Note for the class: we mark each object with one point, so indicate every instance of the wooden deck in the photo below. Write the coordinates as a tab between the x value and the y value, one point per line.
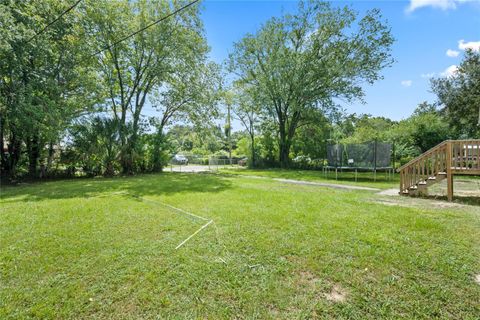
449	158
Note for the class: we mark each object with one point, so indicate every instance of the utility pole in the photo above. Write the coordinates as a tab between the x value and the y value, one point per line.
229	133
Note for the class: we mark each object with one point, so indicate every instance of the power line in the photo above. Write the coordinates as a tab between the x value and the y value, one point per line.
55	20
146	27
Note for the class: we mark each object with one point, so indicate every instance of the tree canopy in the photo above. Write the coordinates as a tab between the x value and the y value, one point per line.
309	60
459	95
101	90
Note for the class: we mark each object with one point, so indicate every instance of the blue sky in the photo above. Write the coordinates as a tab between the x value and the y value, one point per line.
424	30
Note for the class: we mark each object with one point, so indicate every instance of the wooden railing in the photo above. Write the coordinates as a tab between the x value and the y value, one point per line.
465	156
442	161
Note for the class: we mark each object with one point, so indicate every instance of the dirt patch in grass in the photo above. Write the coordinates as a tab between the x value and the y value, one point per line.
477	279
307	279
389	192
337	294
309	282
314	183
410	202
328	185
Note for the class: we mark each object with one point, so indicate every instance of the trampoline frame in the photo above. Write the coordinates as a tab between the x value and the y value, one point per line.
389	170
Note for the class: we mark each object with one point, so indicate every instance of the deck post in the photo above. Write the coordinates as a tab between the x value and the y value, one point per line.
449	172
401	182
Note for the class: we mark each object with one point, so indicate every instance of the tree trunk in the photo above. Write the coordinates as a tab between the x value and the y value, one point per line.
157	165
10	149
126	160
33	149
126	154
14	149
50	157
3	157
284	148
284	153
252	137
109	170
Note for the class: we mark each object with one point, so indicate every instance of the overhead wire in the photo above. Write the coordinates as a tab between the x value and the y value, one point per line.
55	20
146	27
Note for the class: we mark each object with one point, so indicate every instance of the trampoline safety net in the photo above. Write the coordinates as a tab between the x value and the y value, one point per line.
369	155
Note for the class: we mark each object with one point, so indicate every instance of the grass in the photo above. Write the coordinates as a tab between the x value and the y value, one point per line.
85	249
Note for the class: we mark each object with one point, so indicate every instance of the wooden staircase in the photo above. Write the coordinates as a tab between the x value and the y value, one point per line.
443	161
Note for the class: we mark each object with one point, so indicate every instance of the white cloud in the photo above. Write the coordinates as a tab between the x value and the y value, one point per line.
428	75
450	71
474	45
406	83
452	53
438	4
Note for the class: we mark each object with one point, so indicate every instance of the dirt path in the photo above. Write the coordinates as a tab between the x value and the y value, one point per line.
322	184
313	183
389	192
422	203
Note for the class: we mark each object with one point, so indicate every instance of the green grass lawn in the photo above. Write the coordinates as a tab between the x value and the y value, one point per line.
87	249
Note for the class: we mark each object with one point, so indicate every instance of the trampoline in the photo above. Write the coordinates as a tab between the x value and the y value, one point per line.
371	156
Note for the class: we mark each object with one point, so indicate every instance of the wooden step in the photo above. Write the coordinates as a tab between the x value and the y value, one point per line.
422	185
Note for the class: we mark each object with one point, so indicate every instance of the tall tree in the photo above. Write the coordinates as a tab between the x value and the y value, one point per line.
133	68
43	81
424	129
459	95
309	60
190	95
247	109
366	128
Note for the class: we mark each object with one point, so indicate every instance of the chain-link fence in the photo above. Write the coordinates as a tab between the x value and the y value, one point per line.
203	164
221	163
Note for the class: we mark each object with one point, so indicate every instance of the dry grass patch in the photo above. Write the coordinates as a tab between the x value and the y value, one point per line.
337	294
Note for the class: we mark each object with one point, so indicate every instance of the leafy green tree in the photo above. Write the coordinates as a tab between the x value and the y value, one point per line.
459	95
133	68
308	60
246	108
190	96
430	127
424	129
44	82
311	139
267	144
367	128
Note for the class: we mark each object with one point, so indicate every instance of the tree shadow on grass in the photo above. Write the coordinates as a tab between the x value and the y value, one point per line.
141	185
